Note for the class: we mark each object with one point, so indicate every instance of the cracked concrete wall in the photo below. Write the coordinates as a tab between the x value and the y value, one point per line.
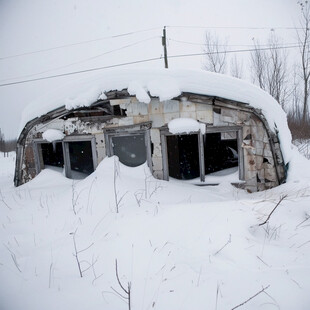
260	169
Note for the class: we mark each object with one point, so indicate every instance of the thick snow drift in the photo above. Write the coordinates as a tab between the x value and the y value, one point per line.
165	84
180	246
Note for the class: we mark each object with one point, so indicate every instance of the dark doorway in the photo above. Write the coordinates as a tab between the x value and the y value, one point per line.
183	156
131	149
220	153
52	154
81	158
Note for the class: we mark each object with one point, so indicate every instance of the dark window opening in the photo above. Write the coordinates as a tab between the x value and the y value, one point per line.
183	156
81	158
52	154
117	110
131	149
220	152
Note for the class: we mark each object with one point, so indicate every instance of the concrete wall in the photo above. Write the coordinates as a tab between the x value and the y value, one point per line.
259	160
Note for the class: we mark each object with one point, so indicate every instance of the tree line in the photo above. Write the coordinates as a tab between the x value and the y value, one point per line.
270	69
6	145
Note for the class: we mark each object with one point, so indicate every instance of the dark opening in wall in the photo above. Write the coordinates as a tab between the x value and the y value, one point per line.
52	154
220	151
183	156
81	159
131	149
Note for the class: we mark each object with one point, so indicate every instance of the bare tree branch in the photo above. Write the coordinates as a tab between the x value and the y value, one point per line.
261	291
268	217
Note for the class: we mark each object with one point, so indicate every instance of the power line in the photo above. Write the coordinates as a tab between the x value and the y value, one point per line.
224	45
81	71
84	60
78	43
238	28
143	30
233	51
144	60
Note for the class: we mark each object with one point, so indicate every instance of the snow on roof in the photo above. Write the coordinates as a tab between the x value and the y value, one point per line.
165	84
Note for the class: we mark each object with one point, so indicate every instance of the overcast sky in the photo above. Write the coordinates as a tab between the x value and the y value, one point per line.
28	26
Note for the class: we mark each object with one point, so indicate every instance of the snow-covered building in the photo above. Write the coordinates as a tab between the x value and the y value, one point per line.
185	124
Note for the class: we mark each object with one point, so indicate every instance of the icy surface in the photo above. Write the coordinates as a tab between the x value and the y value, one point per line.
166	84
180	246
53	135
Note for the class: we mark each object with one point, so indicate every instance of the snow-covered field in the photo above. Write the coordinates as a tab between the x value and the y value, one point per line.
177	246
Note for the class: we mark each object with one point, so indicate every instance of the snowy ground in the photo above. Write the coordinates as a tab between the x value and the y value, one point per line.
303	146
178	246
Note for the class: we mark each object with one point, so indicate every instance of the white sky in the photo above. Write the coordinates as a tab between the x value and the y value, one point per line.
31	25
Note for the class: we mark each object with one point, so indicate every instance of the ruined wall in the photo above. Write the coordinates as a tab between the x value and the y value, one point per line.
259	161
260	168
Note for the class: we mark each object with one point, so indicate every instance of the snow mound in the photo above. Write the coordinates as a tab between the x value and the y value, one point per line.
166	84
53	135
181	125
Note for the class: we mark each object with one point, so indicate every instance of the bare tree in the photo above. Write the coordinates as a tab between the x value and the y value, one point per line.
258	62
1	141
295	113
236	67
303	36
215	53
269	69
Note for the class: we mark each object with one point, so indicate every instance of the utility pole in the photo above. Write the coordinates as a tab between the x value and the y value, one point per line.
164	43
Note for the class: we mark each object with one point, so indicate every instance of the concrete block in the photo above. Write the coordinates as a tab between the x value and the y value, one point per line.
139	108
126	121
228	119
204	107
157	163
155	107
101	153
267	152
250	161
258	144
270	174
217	121
111	123
259	162
157	150
99	139
140	119
249	174
187	106
157	120
155	136
265	138
171	106
158	174
188	115
170	116
205	116
120	101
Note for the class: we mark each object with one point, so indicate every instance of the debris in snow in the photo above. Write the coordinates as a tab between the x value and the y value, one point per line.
51	135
